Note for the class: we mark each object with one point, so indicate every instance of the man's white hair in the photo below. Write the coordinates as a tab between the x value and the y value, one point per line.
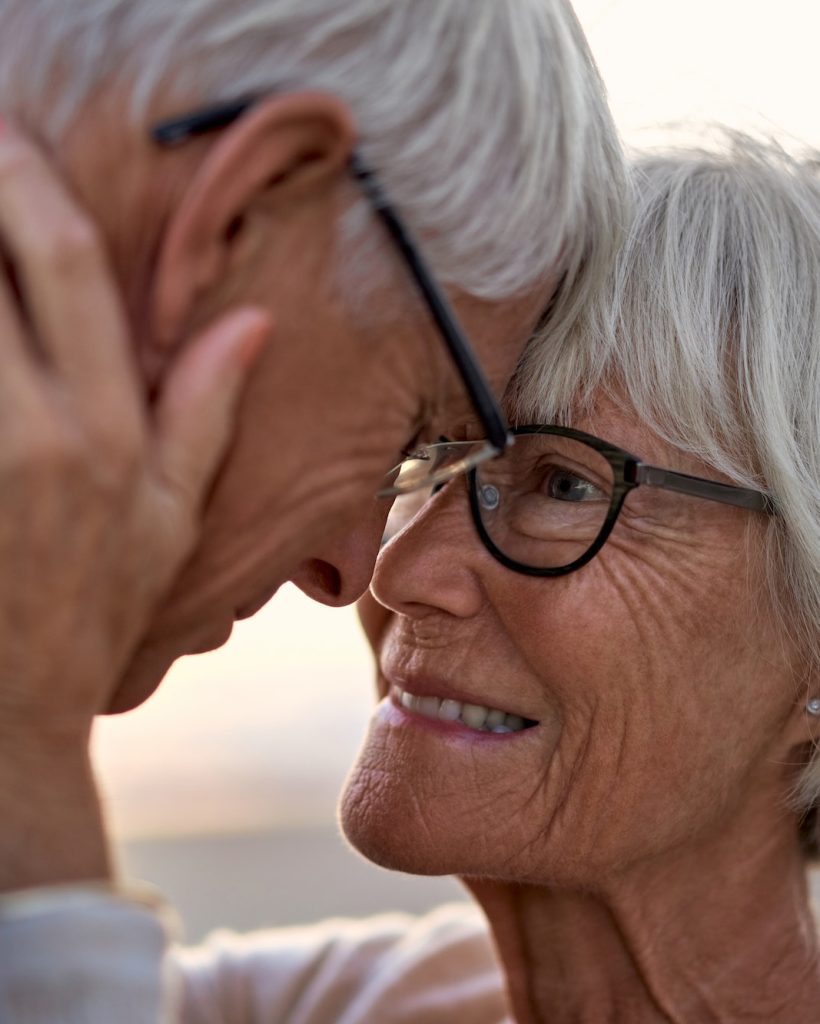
711	331
485	119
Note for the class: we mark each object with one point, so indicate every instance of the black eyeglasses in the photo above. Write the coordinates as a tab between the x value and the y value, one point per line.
548	505
401	480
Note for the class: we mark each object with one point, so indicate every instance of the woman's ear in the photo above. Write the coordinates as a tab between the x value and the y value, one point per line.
285	149
810	713
802	729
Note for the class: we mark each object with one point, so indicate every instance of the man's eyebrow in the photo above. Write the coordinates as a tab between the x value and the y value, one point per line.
465	430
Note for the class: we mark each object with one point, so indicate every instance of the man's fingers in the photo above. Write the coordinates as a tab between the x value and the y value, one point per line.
72	300
195	418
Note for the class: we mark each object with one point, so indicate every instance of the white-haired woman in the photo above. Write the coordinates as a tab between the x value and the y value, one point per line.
601	708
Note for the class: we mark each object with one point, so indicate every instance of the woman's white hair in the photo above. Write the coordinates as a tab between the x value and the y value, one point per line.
486	119
711	330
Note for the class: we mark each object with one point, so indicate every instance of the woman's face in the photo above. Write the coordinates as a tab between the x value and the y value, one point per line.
662	692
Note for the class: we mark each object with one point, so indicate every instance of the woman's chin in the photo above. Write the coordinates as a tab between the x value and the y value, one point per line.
383	818
431	799
386	841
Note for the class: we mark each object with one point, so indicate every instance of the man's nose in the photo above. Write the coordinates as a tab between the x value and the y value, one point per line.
341	571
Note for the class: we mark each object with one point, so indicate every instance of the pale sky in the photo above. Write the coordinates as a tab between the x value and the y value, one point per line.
746	62
263	731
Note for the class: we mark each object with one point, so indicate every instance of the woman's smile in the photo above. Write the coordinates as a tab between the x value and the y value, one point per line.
462	694
455	715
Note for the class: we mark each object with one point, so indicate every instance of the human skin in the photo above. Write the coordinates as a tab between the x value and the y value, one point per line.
348	385
101	497
242	225
635	852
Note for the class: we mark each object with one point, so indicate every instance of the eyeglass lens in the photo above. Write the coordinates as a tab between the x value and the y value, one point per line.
545	502
435	464
415	480
404	510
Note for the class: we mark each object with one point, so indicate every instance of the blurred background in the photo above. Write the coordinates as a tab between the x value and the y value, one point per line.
222	789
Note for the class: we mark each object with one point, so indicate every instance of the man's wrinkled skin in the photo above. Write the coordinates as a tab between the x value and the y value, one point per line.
344	384
144	528
635	852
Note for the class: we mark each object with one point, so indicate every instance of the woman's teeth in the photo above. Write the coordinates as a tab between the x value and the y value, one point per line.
474	716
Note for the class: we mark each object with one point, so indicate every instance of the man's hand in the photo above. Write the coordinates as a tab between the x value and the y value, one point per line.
100	502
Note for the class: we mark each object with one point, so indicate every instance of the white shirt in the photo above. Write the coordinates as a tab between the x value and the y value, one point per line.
91	957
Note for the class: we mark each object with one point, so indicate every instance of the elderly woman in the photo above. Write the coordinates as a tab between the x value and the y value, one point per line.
599	661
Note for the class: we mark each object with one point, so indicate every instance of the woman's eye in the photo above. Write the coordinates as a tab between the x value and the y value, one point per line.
566	486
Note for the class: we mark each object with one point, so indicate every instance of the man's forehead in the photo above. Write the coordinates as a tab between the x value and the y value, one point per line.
455	416
498	332
506	325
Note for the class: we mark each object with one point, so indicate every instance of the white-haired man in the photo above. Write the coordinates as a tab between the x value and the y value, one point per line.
242	164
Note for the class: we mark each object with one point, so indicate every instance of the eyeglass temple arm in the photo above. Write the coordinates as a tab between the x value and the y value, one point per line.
682	483
179	130
498	433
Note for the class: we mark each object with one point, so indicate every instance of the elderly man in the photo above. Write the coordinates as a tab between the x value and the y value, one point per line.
298	212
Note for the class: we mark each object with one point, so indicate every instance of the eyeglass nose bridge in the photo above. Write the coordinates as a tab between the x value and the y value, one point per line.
466	455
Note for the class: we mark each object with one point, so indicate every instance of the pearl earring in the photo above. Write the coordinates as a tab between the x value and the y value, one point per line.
813	706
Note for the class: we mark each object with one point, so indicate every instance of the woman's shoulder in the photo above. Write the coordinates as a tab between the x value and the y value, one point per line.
392	968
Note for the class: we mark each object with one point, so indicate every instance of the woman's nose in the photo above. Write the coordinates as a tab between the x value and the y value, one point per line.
432	563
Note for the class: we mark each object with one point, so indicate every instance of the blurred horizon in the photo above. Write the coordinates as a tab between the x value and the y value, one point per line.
258	734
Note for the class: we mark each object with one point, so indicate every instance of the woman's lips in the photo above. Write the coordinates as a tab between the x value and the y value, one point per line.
424	684
479	718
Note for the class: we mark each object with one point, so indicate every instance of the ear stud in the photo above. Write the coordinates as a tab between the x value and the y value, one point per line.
813	706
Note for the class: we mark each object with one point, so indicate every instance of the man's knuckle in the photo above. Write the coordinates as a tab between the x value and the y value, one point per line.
106	473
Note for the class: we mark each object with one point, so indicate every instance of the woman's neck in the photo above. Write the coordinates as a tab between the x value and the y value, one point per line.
714	934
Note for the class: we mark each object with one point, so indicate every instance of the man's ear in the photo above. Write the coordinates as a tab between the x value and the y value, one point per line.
284	148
